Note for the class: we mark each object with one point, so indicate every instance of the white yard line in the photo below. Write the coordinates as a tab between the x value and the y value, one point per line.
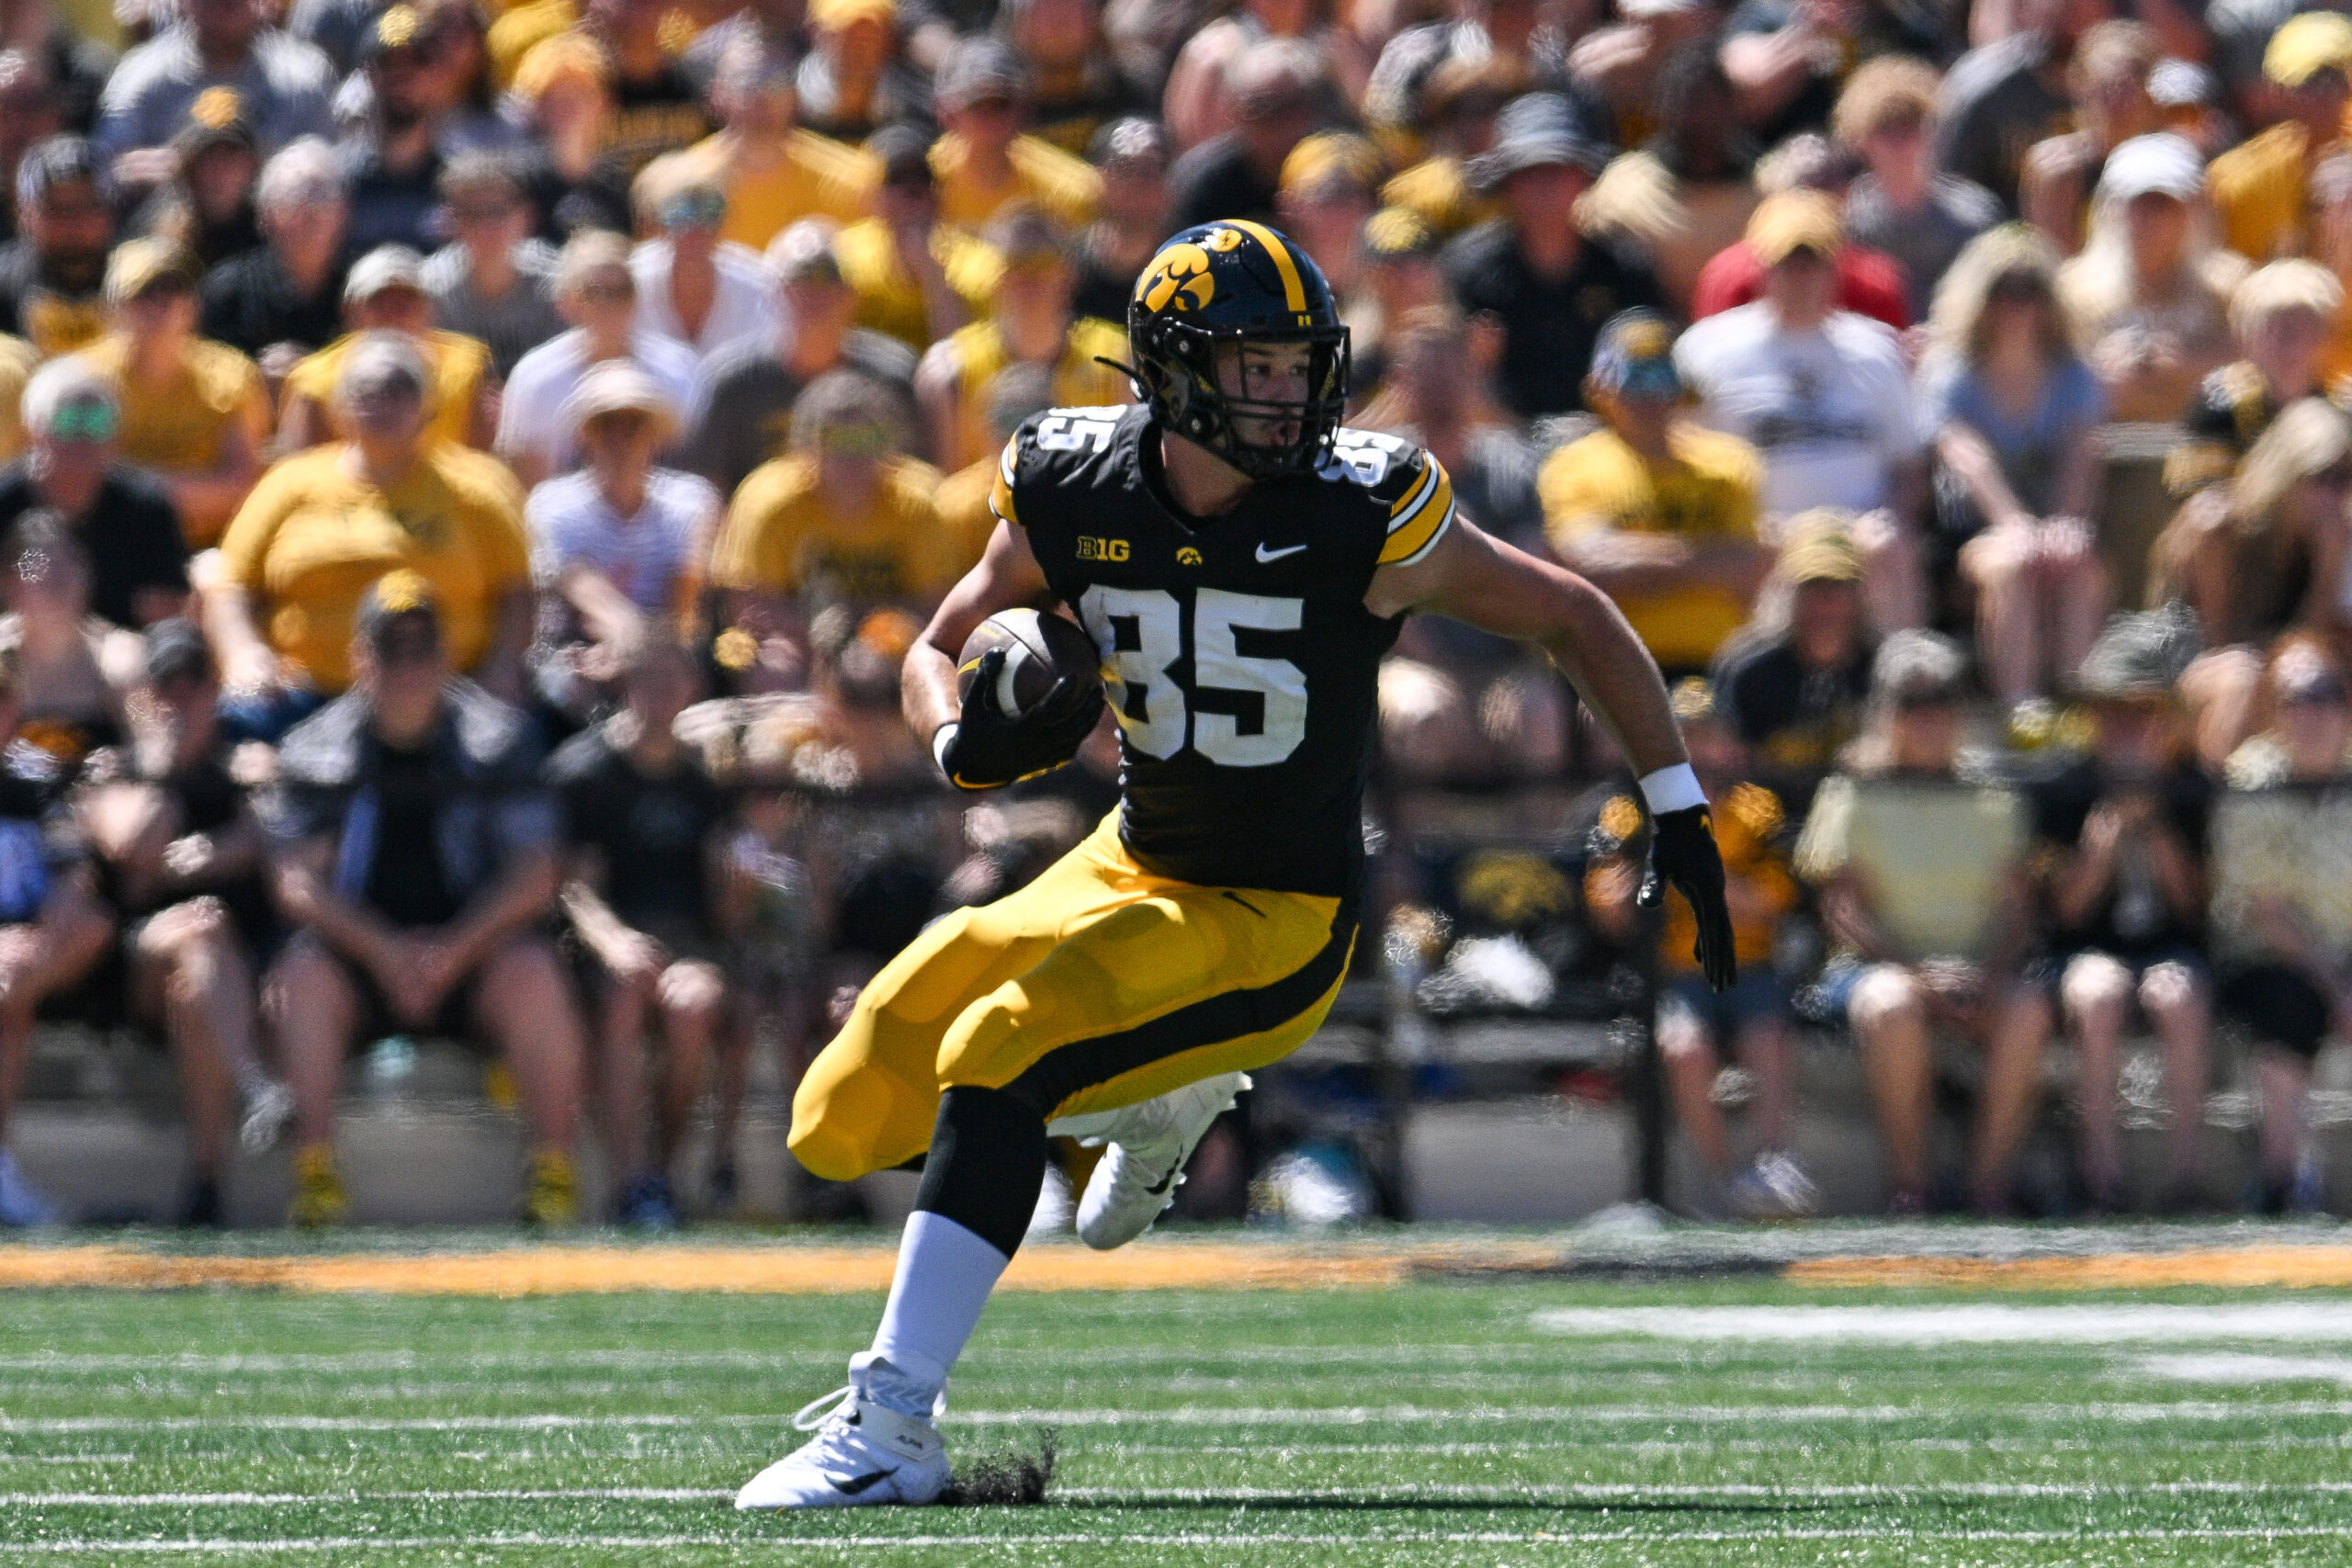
1210	1496
2231	1367
1971	1325
1216	1416
752	1535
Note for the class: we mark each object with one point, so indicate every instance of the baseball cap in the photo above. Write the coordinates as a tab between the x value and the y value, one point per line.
385	267
804	254
2308	44
1634	358
139	265
1329	158
1820	549
398	28
1397	234
59	161
831	16
1537	130
217	118
1794	220
905	153
977	70
617	386
2159	164
399	597
175	647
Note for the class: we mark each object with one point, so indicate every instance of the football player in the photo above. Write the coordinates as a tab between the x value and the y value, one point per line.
1243	563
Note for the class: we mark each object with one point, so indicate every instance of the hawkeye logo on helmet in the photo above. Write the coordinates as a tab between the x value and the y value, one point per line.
1179	277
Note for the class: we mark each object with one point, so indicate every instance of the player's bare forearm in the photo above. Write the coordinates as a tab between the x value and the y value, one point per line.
1474	578
1007	577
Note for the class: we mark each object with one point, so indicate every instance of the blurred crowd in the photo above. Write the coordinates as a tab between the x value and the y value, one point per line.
472	472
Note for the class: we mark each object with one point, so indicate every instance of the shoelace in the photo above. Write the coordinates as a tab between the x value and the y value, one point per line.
809	1419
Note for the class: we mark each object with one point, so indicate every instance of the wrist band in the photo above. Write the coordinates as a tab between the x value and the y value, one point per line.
941	738
1672	789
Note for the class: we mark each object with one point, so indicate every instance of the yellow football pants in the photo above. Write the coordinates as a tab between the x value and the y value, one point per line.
1097	986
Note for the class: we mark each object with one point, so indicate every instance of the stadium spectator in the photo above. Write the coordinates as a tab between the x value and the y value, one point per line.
51	274
2109	82
1210	88
1901	205
852	81
843	516
1922	880
564	90
1400	276
2260	187
1030	322
195	414
416	853
2257	557
182	858
1699	1027
289	290
1458	106
2282	927
1441	396
29	113
2003	95
2012	413
1655	508
2282	318
324	523
73	669
617	547
1551	286
1326	195
744	394
2123	832
1705	160
1131	157
1792	683
494	282
1075	88
2147	298
1787	57
385	293
690	287
1237	173
394	159
967	511
647	895
773	173
2331	192
1404	96
1868	282
1823	396
657	108
281	85
916	277
125	520
596	293
209	207
985	160
52	928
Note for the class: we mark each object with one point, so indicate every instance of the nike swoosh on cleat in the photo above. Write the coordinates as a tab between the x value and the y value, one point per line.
858	1483
1266	555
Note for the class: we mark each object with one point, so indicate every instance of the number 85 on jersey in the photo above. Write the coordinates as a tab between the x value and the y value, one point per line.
1143	632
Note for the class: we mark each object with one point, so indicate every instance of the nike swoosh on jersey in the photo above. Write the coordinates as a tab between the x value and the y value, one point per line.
858	1483
1266	555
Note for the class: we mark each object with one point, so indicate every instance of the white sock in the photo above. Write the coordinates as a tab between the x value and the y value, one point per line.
945	1272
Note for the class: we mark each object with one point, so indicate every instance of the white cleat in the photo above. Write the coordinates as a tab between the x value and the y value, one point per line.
1138	1174
862	1454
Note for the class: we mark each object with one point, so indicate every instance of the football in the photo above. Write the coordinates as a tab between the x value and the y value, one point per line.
1039	651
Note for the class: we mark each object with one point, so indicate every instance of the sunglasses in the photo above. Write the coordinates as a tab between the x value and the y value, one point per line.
480	214
84	422
607	293
1925	701
2312	694
702	209
2337	476
417	647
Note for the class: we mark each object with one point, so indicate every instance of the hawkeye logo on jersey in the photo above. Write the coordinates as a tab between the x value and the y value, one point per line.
1188	556
1090	548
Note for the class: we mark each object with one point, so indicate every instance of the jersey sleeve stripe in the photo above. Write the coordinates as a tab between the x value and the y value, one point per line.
1410	544
1398	514
1001	493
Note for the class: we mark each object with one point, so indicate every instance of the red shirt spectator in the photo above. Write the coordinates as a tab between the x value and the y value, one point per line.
1869	283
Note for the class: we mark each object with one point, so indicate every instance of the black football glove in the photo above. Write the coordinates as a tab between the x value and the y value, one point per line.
989	750
1682	851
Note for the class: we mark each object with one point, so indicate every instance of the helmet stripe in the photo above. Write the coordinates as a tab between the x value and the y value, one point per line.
1293	287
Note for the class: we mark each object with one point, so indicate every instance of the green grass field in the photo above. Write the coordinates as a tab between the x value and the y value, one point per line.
1434	1423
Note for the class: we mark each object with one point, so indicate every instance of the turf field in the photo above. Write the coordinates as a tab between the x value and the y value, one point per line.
1467	1412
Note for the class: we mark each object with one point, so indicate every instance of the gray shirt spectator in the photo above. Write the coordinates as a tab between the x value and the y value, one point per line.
283	87
1999	101
1924	243
513	325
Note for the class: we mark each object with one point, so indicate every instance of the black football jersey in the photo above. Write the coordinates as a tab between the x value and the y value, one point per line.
1238	655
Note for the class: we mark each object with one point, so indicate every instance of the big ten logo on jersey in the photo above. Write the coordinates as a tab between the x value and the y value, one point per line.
1092	548
1363	455
1074	430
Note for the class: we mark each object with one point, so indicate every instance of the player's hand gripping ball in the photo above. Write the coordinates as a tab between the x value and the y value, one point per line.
1682	851
1031	687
